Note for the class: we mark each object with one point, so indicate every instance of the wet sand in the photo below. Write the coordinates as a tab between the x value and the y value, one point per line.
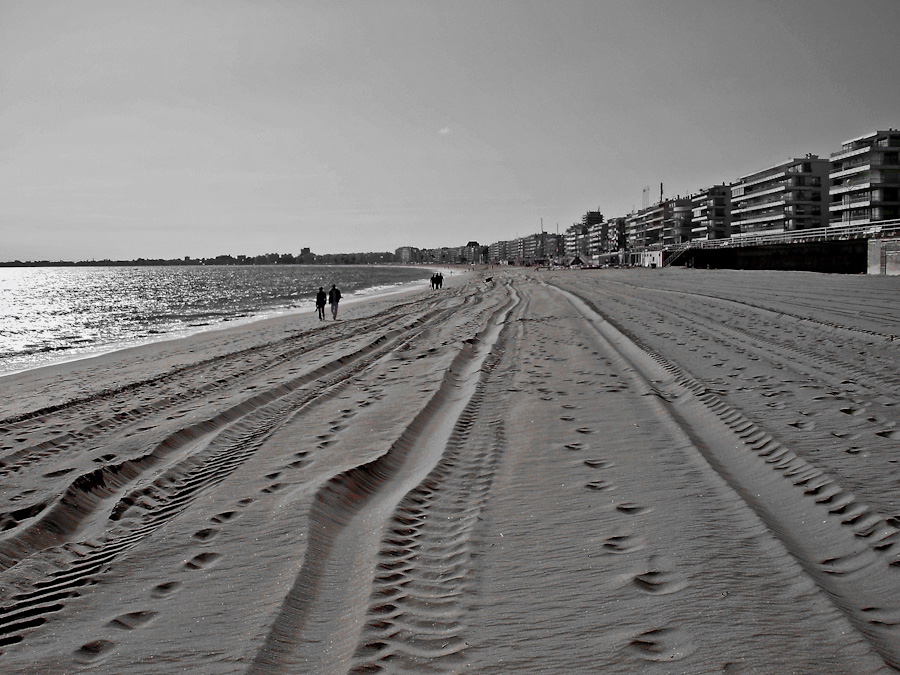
595	471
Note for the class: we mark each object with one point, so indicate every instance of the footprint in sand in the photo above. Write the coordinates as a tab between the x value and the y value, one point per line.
224	516
206	533
633	509
573	446
584	430
659	579
165	589
202	560
94	650
132	620
599	485
622	543
597	463
661	644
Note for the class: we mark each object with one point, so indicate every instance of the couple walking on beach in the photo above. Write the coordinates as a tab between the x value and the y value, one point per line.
333	296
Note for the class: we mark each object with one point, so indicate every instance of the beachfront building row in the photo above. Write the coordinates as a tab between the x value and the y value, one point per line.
580	242
859	185
471	253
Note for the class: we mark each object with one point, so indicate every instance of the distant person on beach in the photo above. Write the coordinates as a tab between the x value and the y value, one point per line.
321	297
334	297
433	281
440	280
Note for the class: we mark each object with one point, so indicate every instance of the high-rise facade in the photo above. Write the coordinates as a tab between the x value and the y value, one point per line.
677	222
711	213
784	198
865	179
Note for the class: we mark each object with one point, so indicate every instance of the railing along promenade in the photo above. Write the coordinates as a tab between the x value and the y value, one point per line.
877	230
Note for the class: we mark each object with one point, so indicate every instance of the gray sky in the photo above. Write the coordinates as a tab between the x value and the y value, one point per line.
163	129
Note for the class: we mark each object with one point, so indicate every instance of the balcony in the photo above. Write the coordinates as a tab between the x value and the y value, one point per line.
768	178
850	221
851	171
759	207
764	219
760	193
844	154
843	206
855	187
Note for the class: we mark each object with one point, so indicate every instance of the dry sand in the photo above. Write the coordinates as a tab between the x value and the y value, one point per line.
612	471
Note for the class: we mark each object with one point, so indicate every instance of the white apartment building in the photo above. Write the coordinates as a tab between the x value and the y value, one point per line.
787	197
865	179
576	240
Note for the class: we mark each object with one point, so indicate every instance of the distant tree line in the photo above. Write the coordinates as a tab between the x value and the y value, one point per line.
306	257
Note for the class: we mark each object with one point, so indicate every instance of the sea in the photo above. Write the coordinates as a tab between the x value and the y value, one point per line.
54	314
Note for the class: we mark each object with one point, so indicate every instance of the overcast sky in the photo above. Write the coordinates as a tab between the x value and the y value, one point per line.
164	129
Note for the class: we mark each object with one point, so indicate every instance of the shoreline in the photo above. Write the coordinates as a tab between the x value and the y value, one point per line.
226	323
38	386
679	458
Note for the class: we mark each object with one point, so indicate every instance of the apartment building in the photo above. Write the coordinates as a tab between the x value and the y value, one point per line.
711	213
787	197
606	237
676	227
408	254
636	229
865	179
576	240
499	250
615	235
597	238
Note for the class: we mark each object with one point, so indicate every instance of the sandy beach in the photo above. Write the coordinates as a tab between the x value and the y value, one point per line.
592	471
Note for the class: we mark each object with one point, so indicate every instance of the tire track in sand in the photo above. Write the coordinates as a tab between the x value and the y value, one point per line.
174	388
849	550
321	618
206	454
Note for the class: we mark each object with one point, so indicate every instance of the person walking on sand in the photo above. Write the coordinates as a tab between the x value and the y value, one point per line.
321	297
334	297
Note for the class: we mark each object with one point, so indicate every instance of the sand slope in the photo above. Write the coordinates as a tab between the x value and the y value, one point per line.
669	471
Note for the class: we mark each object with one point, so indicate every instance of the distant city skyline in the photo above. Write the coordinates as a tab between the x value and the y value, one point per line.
162	130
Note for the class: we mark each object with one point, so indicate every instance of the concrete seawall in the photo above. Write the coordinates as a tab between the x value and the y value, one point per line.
842	257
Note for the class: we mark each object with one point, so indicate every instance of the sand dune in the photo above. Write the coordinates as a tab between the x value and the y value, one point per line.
623	471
